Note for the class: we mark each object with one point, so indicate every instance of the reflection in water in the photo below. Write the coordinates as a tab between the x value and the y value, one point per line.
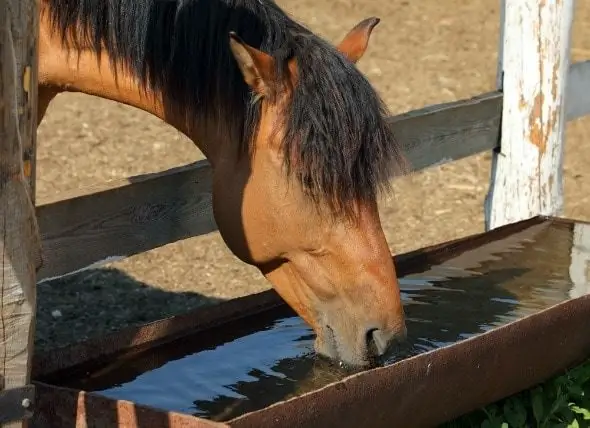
255	362
580	266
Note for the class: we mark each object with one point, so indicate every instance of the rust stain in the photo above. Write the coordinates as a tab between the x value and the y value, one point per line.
540	127
539	132
522	102
27	168
554	76
27	79
535	124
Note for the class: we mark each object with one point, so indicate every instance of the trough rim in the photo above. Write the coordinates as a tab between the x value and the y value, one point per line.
334	395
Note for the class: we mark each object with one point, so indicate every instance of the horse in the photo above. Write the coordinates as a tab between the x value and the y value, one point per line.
297	138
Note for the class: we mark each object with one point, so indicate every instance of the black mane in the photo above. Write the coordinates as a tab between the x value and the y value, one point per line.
338	142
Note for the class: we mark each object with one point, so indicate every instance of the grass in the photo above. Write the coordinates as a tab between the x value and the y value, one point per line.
563	401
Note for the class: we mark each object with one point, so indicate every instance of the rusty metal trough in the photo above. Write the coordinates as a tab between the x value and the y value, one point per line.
484	368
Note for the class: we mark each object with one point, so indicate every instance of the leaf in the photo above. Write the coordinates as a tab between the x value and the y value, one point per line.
566	413
581	411
574	424
491	411
537	402
560	403
486	424
515	413
584	402
575	391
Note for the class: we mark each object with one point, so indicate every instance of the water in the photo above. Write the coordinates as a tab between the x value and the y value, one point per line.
250	364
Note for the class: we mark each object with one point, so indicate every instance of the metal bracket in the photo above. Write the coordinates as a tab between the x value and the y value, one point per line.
498	148
16	404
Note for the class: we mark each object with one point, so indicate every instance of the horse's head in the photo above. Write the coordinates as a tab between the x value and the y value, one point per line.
307	198
301	205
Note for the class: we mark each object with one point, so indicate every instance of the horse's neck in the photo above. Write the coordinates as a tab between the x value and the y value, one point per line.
81	72
71	71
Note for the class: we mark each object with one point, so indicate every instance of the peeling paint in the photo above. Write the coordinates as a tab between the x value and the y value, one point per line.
522	104
525	179
554	77
27	168
27	79
535	124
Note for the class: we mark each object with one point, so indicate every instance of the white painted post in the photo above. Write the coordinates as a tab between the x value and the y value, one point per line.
526	177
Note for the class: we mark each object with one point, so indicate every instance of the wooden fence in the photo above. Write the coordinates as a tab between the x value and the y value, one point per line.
521	122
19	238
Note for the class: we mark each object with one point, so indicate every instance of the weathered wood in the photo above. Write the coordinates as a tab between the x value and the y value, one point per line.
526	174
146	212
27	66
19	243
443	133
578	90
142	213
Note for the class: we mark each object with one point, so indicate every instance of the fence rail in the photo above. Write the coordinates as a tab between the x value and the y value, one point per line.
148	211
141	213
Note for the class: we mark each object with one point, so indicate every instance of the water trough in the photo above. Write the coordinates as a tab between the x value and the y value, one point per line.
488	315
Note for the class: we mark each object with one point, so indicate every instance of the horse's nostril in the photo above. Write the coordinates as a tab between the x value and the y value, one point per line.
377	342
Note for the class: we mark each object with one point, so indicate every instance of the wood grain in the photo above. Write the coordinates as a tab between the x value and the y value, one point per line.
526	178
19	242
114	220
142	213
443	133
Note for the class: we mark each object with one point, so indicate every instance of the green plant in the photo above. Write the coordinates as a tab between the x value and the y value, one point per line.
563	401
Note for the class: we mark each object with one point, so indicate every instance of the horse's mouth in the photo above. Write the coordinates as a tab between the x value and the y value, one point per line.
331	351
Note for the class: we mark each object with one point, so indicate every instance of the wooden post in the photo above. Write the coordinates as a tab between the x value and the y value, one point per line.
526	177
19	239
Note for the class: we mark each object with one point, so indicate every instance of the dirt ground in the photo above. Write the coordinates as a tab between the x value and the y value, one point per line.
422	52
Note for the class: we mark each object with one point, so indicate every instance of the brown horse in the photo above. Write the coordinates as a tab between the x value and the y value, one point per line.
297	138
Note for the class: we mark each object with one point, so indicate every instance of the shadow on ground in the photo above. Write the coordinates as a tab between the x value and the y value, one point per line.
98	301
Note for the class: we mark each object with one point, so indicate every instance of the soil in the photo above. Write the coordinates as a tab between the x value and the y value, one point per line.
422	52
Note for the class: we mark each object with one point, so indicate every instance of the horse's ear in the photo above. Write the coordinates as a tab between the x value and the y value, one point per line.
355	43
256	66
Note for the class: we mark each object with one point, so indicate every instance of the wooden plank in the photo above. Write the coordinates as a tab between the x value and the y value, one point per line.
19	243
152	210
526	177
443	133
146	212
142	213
578	87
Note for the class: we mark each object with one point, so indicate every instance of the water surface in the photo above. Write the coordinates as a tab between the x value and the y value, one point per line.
250	364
